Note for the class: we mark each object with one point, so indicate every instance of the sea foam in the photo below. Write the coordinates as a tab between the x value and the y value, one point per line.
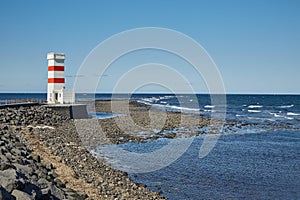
254	111
286	106
255	106
209	106
293	114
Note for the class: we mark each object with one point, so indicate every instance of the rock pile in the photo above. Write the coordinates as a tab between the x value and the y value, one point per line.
30	136
35	115
23	175
65	143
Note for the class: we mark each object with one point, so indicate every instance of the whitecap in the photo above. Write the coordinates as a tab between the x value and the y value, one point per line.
103	115
209	110
286	106
209	106
151	100
275	115
255	106
144	102
256	118
293	114
237	115
167	97
289	118
183	108
163	102
254	111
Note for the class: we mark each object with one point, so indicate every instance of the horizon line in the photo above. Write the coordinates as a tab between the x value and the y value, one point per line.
231	93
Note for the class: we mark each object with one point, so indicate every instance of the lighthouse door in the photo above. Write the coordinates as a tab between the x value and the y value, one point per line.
56	97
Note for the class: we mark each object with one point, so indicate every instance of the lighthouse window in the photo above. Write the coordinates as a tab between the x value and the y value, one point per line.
59	95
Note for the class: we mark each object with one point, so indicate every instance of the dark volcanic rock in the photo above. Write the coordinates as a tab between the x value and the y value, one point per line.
21	173
24	175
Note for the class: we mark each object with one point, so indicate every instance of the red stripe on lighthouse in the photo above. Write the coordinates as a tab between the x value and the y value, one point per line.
56	68
56	80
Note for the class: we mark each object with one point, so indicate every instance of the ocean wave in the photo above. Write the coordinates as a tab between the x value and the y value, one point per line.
152	99
256	118
183	108
165	105
254	111
255	106
286	106
289	118
270	119
209	106
166	97
275	114
209	110
104	115
240	116
293	114
144	102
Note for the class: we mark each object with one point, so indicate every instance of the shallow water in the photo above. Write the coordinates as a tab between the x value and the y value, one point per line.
254	166
257	156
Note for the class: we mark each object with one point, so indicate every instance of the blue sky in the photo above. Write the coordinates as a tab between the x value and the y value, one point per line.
254	43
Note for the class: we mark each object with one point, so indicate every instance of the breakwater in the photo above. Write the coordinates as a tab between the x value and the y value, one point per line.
43	157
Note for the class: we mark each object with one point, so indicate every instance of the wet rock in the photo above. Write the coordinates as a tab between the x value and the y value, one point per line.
21	195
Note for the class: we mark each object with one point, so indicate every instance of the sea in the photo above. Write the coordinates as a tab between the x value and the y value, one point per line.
257	154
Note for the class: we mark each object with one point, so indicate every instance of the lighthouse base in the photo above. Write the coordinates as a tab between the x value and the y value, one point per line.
70	111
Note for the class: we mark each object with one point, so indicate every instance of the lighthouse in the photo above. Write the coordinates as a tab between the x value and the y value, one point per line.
56	92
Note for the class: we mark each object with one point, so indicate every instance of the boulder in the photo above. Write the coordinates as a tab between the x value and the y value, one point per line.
8	179
24	169
21	195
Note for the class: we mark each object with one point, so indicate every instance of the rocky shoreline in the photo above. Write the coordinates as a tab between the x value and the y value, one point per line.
138	123
42	157
45	155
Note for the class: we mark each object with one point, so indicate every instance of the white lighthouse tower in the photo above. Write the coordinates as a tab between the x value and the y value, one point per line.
57	94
